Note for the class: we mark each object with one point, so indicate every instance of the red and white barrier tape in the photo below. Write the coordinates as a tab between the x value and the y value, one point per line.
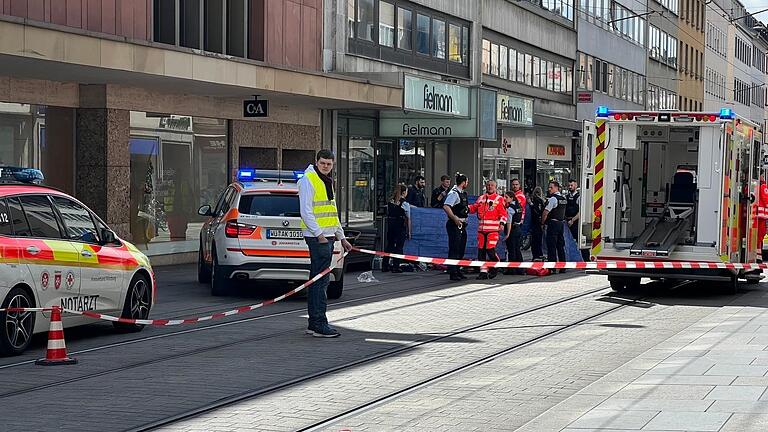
194	320
591	265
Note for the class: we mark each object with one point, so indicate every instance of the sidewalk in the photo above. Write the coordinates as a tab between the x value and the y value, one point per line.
709	377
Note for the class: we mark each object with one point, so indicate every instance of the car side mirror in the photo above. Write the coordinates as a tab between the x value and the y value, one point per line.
107	236
205	210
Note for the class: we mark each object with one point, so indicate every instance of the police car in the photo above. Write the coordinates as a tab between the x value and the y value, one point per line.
54	251
253	233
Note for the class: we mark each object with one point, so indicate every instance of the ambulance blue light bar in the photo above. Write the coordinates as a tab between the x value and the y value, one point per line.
602	111
727	113
23	175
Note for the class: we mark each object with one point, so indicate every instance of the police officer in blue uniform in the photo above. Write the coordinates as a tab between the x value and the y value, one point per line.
456	206
553	218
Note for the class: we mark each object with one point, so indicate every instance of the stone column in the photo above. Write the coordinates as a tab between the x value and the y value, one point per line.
103	178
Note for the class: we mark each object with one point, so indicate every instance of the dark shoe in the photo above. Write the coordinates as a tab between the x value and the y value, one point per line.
327	332
461	275
455	277
562	271
492	275
482	276
396	270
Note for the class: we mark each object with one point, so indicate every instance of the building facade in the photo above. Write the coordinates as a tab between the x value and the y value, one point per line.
691	30
663	43
136	107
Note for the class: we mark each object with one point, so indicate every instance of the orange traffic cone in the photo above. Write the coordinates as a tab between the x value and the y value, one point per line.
56	354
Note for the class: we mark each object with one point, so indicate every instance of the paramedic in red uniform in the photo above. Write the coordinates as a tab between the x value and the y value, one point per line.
762	214
491	213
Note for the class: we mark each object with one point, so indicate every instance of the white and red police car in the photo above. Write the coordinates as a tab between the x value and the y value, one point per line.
54	251
253	232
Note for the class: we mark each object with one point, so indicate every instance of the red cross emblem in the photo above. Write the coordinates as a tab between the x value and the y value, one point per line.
57	280
70	279
45	279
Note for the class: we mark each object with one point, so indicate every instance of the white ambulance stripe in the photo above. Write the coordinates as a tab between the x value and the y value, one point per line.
56	344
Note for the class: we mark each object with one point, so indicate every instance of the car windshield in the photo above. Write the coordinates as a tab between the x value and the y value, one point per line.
270	205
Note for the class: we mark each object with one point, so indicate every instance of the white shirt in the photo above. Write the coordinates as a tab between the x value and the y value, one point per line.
453	197
306	198
551	203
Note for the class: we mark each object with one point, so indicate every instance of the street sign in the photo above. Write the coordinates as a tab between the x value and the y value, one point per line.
256	108
584	97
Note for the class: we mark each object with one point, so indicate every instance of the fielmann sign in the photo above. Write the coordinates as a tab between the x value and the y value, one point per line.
435	97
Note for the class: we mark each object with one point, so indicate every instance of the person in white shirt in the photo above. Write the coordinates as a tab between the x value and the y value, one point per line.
321	228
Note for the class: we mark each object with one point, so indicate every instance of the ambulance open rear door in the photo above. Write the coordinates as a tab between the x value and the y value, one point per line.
586	217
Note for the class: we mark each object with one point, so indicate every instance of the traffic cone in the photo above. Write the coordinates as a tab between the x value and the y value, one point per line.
56	354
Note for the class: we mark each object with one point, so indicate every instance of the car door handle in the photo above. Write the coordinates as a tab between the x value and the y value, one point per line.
34	250
86	254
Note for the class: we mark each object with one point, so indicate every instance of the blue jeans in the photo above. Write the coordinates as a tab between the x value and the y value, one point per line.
320	255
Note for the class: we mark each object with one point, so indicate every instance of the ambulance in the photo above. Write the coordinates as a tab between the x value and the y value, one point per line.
253	233
671	186
54	251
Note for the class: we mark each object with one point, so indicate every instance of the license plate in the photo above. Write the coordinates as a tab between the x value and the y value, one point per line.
284	234
649	253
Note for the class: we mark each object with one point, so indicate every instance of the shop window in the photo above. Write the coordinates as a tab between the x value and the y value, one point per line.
465	44
386	24
360	191
438	39
164	16
297	159
454	43
365	20
404	29
422	34
189	23
258	157
42	137
178	163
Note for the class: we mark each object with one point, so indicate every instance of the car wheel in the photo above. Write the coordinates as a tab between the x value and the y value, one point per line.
617	284
138	301
335	288
16	333
203	271
219	282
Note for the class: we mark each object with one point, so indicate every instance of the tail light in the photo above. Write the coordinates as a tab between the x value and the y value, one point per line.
236	229
597	220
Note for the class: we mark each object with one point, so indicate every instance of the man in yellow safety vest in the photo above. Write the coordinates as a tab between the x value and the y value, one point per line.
321	228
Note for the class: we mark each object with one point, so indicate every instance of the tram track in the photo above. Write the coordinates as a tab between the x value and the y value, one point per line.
245	320
250	394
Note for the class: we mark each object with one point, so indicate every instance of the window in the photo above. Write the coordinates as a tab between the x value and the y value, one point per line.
350	18
528	69
189	23
237	16
404	29
214	25
486	56
662	47
743	51
165	21
512	65
386	24
465	44
6	226
494	59
454	43
365	20
672	5
270	205
19	221
562	8
422	34
521	69
503	63
536	71
77	220
42	222
438	39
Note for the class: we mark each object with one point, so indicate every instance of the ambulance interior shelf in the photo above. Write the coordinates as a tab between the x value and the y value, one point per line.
663	234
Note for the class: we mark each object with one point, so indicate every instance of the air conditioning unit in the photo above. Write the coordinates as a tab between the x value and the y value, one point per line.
653	134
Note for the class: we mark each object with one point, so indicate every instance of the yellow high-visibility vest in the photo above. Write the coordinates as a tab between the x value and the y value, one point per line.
324	209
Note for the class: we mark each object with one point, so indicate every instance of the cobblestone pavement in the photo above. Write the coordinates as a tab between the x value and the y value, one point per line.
125	381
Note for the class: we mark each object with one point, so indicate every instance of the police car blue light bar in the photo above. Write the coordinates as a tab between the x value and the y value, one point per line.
298	174
602	111
246	175
727	113
23	175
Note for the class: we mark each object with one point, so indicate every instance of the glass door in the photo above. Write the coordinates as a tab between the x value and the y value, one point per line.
360	183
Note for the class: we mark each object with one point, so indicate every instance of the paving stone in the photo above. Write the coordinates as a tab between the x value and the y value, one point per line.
668	392
739	370
688	421
746	422
615	419
744	407
654	405
737	393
